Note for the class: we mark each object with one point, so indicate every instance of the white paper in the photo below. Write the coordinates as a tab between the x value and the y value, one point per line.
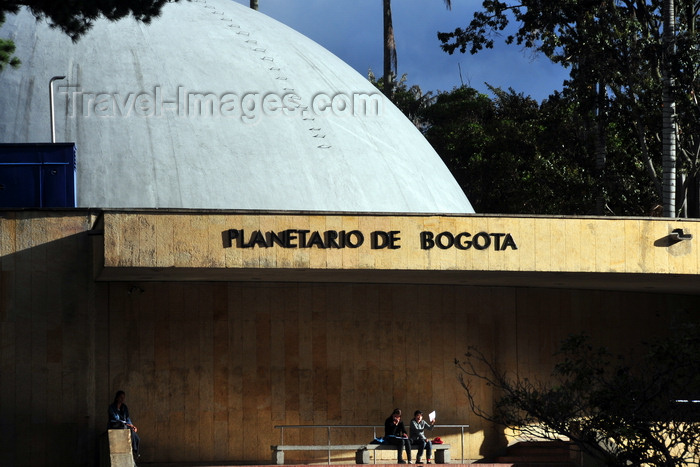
431	416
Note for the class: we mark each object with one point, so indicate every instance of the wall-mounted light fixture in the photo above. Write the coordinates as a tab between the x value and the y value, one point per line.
678	235
674	237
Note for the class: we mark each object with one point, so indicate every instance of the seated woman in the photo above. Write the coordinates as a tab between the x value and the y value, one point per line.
395	433
119	419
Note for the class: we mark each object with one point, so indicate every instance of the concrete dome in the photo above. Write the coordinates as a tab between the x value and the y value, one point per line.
216	106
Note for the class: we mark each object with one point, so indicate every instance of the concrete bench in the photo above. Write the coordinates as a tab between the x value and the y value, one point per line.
115	449
441	452
278	450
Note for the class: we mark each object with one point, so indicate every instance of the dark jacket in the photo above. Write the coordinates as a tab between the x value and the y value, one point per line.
394	430
118	418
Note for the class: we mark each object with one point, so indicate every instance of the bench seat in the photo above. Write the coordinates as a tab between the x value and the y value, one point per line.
278	450
441	451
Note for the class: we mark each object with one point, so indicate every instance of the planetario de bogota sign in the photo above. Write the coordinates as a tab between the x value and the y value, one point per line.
378	239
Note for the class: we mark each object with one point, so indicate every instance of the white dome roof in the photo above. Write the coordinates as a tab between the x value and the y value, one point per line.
173	114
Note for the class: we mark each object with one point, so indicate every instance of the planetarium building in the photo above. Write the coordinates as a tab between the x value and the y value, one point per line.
216	215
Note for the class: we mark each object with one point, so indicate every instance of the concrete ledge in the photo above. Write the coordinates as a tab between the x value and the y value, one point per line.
115	449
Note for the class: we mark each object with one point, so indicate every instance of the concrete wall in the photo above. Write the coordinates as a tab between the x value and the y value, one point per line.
211	366
48	368
544	244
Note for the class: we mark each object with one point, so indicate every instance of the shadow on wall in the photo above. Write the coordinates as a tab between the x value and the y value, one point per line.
495	442
47	337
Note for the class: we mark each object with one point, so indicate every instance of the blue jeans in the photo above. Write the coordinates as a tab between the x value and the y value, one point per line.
423	444
400	444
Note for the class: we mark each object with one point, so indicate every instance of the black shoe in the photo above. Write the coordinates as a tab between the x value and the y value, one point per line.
402	462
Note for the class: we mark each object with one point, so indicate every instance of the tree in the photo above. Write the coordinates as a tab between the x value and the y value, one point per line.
620	410
75	18
669	109
510	154
390	57
7	50
614	50
254	4
412	102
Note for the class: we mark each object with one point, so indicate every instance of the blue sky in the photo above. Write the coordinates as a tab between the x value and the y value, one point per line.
353	31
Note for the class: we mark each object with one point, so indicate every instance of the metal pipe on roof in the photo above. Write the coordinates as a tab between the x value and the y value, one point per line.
53	128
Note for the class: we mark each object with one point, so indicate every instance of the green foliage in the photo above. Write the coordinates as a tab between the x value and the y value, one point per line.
7	50
510	154
410	100
76	17
616	55
622	411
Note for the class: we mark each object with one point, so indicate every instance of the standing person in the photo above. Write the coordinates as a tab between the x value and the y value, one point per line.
395	433
119	419
418	426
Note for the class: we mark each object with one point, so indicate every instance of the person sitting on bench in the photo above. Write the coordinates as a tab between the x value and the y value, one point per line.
119	419
395	433
418	426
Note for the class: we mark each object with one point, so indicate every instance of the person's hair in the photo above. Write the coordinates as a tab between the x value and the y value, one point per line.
396	412
119	393
417	412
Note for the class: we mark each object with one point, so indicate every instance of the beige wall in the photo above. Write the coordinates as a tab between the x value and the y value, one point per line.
544	244
210	367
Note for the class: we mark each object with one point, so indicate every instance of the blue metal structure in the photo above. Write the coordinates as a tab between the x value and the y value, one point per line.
38	175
